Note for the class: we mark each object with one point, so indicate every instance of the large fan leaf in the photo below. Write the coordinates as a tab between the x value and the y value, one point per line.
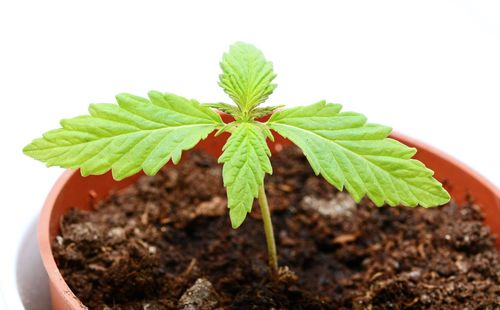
246	162
350	153
135	134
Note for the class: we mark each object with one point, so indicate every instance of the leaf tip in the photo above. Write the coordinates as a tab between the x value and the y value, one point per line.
154	94
121	96
28	148
176	157
444	198
84	172
65	123
241	44
117	175
237	218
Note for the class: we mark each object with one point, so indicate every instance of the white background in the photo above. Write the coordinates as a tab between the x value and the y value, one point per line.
429	69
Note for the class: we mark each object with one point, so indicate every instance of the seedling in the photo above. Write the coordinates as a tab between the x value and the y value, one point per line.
145	133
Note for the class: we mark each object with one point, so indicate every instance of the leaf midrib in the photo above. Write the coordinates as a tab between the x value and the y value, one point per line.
125	134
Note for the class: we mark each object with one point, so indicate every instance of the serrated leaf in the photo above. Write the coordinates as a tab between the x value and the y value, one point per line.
246	161
226	108
246	76
135	134
261	112
350	153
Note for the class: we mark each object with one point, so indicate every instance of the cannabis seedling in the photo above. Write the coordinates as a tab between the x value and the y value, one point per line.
145	133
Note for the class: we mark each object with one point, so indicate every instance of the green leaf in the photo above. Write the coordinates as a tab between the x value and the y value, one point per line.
135	134
261	112
246	161
246	76
225	108
350	153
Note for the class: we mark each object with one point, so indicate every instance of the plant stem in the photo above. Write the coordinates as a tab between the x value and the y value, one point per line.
268	229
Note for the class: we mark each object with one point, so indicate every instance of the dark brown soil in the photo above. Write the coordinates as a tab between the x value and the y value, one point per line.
166	243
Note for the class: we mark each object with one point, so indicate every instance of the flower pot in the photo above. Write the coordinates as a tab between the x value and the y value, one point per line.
73	190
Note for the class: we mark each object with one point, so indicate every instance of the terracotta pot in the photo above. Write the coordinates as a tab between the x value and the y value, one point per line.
73	190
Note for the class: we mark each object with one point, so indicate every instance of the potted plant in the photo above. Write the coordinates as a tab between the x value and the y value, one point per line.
142	134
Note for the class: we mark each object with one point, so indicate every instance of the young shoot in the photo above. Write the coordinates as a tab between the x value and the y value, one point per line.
145	133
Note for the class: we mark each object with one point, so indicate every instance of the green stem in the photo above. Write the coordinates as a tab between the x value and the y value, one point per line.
268	229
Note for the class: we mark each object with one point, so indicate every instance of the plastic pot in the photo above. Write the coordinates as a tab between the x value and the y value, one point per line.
74	191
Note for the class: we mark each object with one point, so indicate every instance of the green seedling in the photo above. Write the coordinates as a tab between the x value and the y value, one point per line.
145	133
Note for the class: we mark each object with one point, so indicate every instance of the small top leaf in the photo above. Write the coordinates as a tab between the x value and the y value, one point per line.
246	161
261	112
246	76
225	108
350	153
135	134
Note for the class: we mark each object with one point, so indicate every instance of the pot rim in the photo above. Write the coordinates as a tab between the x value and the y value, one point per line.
45	242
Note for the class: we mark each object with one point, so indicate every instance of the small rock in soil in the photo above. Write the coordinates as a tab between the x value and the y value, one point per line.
341	204
201	295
